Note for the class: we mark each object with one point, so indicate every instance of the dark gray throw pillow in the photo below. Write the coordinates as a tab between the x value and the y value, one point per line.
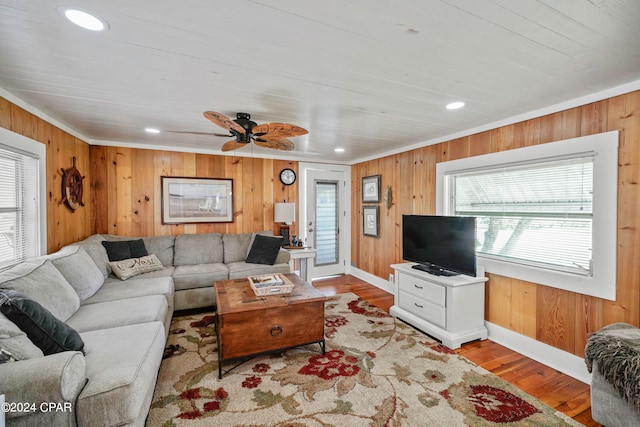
137	248
265	249
119	250
46	331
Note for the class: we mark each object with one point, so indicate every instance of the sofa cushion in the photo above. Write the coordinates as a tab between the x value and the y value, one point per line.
135	287
122	364
43	283
79	269
165	272
111	314
15	341
238	270
127	268
264	249
48	333
93	246
119	250
162	247
199	276
236	246
193	249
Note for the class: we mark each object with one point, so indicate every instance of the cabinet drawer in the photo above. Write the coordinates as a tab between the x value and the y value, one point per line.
427	291
259	331
424	309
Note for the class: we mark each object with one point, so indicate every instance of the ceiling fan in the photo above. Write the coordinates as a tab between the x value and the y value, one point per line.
245	131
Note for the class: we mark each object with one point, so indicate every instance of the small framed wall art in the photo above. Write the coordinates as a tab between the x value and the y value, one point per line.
370	221
371	189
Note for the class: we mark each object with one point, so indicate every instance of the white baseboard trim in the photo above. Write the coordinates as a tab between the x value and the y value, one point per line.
555	358
373	279
565	362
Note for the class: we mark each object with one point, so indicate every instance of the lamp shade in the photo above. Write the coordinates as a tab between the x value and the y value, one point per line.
284	212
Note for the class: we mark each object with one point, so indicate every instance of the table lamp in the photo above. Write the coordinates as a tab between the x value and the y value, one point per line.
285	214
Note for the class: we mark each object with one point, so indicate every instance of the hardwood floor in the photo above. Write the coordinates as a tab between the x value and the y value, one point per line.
554	388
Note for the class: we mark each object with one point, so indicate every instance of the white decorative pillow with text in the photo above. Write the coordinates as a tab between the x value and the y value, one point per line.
133	266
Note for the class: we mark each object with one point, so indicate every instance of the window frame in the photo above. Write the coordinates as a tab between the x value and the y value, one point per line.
37	150
602	283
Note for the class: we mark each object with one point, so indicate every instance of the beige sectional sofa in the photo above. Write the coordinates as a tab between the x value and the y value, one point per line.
194	262
123	325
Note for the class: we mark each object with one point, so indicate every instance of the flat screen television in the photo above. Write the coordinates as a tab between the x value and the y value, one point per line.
441	245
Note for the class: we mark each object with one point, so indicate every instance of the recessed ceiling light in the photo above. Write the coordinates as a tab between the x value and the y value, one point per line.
152	130
339	150
455	105
85	19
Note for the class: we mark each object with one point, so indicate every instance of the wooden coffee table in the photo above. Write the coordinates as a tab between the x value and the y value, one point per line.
249	325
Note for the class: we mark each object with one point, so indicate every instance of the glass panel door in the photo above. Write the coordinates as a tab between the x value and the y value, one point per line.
324	219
327	229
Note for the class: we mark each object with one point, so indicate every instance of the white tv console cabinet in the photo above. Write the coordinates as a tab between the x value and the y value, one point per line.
449	308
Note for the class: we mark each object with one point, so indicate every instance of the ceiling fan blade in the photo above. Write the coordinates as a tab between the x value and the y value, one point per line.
233	145
275	143
196	133
282	130
223	121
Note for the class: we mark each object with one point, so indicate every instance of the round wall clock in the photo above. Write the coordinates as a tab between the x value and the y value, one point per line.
287	176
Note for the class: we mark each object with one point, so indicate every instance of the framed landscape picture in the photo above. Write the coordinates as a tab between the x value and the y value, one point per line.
370	221
189	200
371	188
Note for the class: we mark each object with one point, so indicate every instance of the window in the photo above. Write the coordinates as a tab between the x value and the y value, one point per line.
545	214
535	214
21	201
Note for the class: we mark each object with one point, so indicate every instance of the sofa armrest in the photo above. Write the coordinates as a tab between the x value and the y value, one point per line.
283	257
55	378
615	351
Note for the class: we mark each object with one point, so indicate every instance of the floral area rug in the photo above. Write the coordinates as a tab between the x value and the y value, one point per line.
376	371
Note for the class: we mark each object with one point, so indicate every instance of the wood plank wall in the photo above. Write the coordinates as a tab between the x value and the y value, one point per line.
559	318
63	225
126	190
122	185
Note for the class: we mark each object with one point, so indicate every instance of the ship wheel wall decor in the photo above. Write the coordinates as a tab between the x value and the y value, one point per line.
72	187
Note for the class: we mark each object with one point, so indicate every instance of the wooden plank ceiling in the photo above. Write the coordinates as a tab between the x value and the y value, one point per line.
368	76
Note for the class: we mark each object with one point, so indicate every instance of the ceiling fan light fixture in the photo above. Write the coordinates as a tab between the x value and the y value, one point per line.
152	130
246	131
85	19
455	105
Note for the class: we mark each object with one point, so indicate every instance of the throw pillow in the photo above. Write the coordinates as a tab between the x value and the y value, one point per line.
137	248
46	331
6	357
264	249
132	267
119	250
16	342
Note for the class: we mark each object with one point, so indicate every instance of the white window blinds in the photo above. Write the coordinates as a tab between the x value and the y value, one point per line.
19	209
534	213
